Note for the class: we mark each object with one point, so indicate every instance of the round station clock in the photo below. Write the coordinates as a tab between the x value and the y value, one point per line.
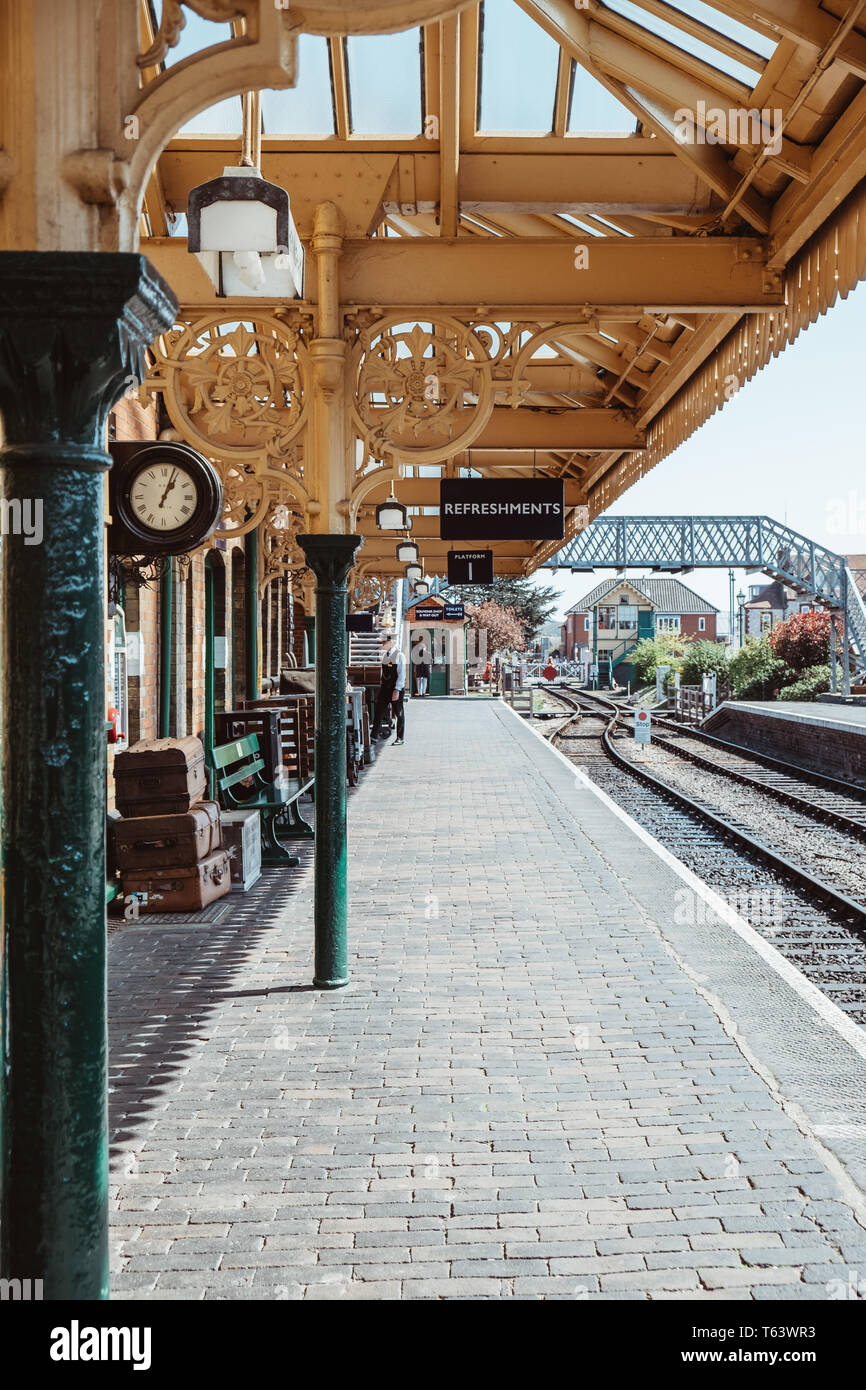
165	499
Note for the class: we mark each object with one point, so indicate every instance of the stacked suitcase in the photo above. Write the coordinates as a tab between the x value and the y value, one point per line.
168	846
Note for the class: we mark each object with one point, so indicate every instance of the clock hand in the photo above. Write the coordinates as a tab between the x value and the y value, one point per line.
168	489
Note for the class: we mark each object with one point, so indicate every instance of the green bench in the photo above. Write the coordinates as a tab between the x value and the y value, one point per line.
239	766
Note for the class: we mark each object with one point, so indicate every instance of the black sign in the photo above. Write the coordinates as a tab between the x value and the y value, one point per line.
454	613
359	622
505	509
470	566
428	613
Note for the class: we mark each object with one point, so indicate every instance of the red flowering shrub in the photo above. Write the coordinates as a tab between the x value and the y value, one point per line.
803	641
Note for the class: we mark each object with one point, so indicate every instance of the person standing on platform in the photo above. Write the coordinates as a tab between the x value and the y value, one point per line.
421	663
391	692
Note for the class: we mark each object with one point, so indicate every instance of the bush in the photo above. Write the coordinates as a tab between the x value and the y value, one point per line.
803	641
701	659
811	684
755	672
650	652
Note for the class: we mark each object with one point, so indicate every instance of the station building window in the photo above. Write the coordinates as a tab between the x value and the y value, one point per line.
627	617
607	617
667	622
702	624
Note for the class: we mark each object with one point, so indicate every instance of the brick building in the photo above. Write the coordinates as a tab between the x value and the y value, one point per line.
612	618
281	624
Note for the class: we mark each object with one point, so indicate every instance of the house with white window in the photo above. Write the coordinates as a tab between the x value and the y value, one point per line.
606	625
771	604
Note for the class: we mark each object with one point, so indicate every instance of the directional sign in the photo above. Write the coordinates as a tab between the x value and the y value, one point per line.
359	622
470	566
428	612
454	613
506	509
642	726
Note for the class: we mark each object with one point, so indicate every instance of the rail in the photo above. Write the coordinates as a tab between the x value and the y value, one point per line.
854	912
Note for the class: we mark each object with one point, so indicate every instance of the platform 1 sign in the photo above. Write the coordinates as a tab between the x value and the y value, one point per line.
470	566
503	509
642	726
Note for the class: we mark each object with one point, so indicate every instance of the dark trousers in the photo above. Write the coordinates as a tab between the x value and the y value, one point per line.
383	703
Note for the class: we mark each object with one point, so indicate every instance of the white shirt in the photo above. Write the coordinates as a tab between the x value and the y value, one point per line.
396	656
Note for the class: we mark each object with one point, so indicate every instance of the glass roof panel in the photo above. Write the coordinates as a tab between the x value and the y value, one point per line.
724	24
307	109
195	35
696	47
385	83
224	118
593	110
518	64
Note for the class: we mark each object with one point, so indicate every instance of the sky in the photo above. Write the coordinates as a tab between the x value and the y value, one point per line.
789	445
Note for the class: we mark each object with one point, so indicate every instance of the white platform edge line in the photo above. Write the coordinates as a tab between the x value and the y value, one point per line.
830	1013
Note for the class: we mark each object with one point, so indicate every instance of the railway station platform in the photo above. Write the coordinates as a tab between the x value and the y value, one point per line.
828	738
543	1081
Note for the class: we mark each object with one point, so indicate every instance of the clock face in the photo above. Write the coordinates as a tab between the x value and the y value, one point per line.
163	497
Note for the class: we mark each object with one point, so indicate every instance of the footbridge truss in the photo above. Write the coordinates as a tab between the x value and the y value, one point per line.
679	544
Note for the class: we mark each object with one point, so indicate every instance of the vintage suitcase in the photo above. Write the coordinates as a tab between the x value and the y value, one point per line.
157	842
242	837
184	889
160	776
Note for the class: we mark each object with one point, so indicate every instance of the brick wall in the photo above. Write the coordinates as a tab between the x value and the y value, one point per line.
132	421
689	626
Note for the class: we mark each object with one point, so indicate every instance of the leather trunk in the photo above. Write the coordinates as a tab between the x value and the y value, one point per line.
160	776
184	889
157	842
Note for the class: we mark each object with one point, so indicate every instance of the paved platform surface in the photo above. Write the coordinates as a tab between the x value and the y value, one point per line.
543	1082
826	716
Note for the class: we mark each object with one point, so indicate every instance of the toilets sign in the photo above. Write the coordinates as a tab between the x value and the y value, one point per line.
503	509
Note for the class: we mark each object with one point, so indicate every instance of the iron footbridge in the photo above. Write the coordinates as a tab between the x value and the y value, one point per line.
679	544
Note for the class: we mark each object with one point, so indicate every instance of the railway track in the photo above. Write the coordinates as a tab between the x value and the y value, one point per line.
818	924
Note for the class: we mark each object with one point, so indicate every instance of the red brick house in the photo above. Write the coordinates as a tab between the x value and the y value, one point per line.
611	619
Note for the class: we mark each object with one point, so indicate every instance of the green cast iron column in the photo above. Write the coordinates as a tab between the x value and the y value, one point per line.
209	675
166	604
252	573
330	558
72	327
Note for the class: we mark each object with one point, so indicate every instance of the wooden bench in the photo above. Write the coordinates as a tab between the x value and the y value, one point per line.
239	766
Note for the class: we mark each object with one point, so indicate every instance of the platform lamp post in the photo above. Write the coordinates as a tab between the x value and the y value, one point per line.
330	557
741	601
73	326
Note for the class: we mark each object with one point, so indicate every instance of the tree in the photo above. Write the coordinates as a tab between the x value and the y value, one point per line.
703	658
803	641
531	604
492	629
665	649
755	671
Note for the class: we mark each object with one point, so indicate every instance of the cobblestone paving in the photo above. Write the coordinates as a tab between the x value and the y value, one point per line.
520	1095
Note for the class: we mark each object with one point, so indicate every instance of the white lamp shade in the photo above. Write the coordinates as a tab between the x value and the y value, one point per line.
414	573
391	516
407	552
422	587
